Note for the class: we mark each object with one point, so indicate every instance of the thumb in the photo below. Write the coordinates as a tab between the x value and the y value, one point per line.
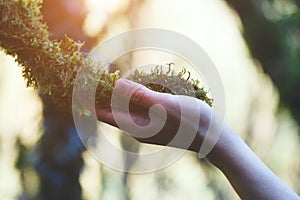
140	95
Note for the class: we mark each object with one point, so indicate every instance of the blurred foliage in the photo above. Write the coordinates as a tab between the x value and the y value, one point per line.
47	64
271	29
51	65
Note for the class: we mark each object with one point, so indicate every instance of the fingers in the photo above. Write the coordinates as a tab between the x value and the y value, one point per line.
139	115
140	95
140	99
105	115
127	92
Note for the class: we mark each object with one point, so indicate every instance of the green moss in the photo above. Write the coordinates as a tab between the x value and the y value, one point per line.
52	66
171	82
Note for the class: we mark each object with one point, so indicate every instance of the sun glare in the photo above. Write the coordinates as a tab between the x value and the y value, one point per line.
99	11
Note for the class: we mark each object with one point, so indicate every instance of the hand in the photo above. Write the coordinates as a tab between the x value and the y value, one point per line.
247	174
156	118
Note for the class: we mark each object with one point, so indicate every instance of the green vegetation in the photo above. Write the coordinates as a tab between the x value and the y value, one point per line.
52	66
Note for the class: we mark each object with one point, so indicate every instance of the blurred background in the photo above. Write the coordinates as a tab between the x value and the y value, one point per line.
254	44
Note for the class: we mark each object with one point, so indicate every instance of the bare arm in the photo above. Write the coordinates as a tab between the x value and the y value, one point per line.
248	175
250	178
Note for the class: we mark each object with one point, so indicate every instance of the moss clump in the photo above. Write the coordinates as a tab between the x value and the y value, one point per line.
171	82
52	65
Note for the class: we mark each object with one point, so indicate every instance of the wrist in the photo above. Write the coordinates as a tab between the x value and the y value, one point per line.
209	141
227	149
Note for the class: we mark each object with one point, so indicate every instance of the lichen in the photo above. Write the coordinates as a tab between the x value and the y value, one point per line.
52	66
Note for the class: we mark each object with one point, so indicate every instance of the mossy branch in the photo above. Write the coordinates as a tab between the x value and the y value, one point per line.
52	66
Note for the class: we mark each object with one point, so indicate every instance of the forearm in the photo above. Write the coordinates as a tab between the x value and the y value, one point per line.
250	178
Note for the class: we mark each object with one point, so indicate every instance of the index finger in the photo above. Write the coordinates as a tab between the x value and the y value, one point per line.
142	96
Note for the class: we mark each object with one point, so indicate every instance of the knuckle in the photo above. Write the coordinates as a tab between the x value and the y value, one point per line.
171	104
138	96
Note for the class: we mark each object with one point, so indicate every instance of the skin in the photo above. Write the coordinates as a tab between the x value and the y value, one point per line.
248	175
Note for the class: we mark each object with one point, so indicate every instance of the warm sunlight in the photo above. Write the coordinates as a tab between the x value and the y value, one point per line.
57	162
99	12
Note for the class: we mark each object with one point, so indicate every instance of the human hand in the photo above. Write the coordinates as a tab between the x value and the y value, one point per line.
156	118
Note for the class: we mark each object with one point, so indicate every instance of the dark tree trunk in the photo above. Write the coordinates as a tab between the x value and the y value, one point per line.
59	160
